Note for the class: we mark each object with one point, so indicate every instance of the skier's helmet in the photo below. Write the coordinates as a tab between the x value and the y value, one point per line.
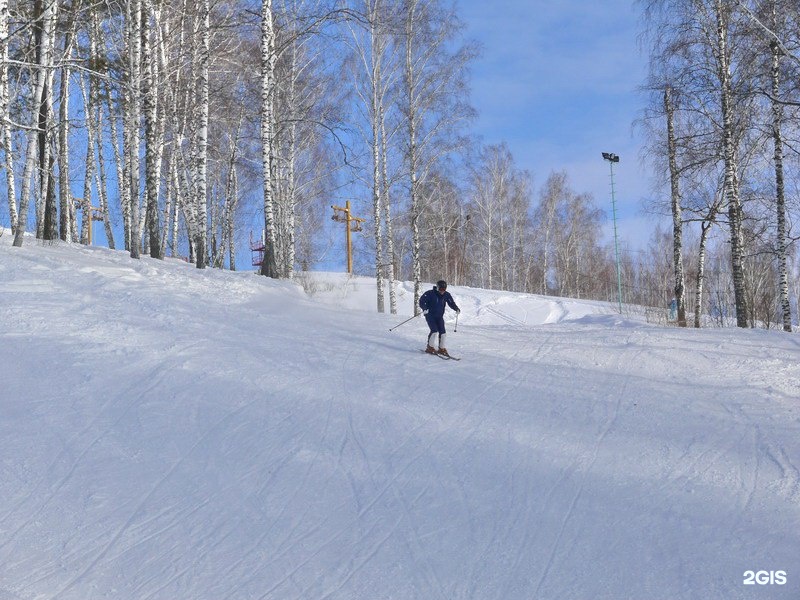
441	284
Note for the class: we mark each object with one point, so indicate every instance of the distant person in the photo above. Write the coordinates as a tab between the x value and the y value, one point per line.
673	310
432	304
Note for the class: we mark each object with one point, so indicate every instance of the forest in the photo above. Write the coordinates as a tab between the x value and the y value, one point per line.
172	124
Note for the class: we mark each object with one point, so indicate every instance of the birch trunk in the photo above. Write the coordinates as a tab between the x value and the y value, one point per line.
780	193
387	206
183	198
413	158
48	215
89	163
677	221
123	190
95	128
201	169
131	124
152	141
65	193
44	60
178	205
231	219
169	198
5	125
269	267
701	270
291	217
102	180
730	155
376	53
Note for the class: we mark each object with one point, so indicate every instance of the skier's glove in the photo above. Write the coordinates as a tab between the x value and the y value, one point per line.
425	312
458	311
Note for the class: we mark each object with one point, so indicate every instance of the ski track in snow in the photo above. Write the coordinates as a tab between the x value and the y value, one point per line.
219	436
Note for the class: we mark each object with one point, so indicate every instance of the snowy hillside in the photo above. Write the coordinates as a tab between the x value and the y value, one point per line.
171	434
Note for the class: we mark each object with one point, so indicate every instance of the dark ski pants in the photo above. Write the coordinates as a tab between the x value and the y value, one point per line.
436	324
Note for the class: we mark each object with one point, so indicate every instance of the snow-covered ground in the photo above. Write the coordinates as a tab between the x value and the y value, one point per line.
170	434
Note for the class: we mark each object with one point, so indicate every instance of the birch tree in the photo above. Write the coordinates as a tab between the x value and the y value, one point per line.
722	52
43	66
268	58
675	201
5	116
64	185
95	124
780	192
131	118
152	126
434	103
777	55
373	79
201	168
545	219
499	203
703	46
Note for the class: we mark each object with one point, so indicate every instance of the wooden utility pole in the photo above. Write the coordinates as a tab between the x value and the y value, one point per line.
93	213
343	215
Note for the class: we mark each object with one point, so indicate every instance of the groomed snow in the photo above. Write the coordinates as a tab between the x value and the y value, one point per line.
167	433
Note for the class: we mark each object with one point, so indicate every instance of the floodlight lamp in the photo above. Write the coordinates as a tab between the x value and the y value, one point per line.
610	156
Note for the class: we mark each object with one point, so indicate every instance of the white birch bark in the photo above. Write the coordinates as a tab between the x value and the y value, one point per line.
780	193
120	159
183	196
387	206
152	141
131	121
178	205
780	189
701	270
169	195
201	168
730	155
286	264
45	59
677	221
89	163
65	193
95	127
377	46
549	217
5	123
231	219
102	179
269	267
47	227
291	217
413	156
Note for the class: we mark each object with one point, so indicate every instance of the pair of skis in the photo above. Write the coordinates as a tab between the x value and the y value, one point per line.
442	356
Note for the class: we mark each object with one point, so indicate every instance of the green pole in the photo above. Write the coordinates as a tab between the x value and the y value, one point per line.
616	239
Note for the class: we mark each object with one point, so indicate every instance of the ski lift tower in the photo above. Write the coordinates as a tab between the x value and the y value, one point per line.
343	215
257	248
93	213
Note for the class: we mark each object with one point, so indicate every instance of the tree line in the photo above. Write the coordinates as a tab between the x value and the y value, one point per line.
173	121
724	89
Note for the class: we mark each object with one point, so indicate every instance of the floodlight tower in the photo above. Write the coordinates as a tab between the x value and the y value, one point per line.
613	158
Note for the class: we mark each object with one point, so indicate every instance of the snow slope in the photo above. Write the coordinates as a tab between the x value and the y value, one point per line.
173	434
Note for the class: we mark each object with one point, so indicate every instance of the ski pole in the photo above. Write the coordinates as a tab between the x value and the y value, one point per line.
404	322
456	327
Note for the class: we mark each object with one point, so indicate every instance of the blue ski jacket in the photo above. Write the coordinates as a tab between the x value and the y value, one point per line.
434	302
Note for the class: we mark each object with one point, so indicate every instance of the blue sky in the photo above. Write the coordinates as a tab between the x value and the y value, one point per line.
557	81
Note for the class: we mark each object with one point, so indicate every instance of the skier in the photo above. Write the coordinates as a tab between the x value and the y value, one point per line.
432	304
